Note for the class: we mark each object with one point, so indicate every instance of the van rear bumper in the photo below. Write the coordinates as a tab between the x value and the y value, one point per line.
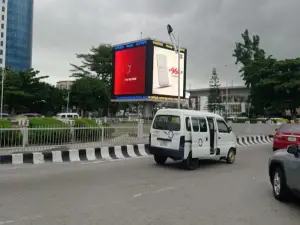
171	153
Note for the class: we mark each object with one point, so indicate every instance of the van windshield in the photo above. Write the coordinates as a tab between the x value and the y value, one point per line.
167	122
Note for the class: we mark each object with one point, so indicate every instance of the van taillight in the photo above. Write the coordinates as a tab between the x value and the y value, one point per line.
150	139
182	141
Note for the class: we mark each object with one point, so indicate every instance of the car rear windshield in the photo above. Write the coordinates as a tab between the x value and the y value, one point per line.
167	122
290	128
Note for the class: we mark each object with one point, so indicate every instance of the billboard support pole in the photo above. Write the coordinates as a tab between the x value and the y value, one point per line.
177	50
178	54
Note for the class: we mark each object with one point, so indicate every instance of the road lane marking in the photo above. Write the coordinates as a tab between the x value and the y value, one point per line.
20	219
154	192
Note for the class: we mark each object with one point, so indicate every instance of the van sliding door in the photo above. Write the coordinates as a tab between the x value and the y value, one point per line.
200	137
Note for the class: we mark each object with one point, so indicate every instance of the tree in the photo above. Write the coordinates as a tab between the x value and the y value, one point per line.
256	67
89	94
20	89
285	81
214	98
49	99
25	91
97	64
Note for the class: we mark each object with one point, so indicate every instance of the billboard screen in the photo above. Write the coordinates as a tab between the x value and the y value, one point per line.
165	73
130	71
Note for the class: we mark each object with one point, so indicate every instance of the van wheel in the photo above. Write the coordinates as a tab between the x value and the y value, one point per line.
159	159
230	156
190	163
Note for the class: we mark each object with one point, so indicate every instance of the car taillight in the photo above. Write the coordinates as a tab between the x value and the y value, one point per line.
182	141
278	136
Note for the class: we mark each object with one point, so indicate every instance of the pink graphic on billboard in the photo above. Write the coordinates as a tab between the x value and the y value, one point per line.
174	71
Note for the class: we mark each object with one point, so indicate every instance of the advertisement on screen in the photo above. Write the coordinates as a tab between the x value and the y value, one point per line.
165	72
129	71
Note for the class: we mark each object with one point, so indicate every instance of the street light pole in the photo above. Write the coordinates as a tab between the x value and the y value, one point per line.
227	99
68	99
2	91
68	96
176	50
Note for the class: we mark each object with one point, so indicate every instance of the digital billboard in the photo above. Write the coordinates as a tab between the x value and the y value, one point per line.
165	72
146	70
129	71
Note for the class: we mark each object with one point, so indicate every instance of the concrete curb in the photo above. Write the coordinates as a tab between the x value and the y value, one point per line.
103	153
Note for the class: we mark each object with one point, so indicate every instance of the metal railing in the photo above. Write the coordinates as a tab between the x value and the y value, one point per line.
67	137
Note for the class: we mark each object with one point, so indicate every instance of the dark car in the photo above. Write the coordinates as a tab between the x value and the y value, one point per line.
284	172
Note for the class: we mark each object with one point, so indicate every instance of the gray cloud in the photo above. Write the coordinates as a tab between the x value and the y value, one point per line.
208	29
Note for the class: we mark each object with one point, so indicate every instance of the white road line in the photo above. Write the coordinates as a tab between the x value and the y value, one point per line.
20	220
154	192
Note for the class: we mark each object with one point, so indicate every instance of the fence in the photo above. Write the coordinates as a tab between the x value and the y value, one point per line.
69	137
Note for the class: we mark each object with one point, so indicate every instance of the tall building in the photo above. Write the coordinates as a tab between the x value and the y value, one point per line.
16	34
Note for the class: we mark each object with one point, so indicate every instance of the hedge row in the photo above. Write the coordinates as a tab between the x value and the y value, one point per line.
55	132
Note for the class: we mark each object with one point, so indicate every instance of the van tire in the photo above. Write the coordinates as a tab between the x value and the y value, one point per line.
230	156
190	163
160	159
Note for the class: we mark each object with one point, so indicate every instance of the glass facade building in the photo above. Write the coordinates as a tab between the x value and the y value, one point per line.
19	26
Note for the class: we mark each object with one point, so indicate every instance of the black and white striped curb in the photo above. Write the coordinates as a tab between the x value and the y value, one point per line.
77	155
103	153
253	140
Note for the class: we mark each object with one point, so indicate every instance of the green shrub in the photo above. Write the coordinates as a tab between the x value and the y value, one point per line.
280	120
45	131
9	137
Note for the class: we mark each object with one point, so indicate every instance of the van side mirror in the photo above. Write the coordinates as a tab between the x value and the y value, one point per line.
293	149
229	129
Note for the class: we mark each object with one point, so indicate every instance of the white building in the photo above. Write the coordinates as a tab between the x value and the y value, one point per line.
64	84
235	98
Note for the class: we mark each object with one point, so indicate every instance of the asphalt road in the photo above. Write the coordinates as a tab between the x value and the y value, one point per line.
137	191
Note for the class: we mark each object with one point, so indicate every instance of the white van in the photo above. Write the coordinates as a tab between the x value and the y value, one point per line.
190	135
67	116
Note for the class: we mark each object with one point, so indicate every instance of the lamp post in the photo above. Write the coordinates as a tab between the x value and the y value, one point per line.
68	96
177	50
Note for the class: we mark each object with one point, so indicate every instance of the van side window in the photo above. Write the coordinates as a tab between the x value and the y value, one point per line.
203	125
167	122
188	124
222	127
195	124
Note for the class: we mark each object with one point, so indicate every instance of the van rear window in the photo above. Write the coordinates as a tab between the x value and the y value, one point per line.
167	122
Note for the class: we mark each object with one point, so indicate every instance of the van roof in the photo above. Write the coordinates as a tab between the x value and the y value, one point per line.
190	112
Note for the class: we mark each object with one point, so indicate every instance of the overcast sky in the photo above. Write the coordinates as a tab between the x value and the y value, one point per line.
207	28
